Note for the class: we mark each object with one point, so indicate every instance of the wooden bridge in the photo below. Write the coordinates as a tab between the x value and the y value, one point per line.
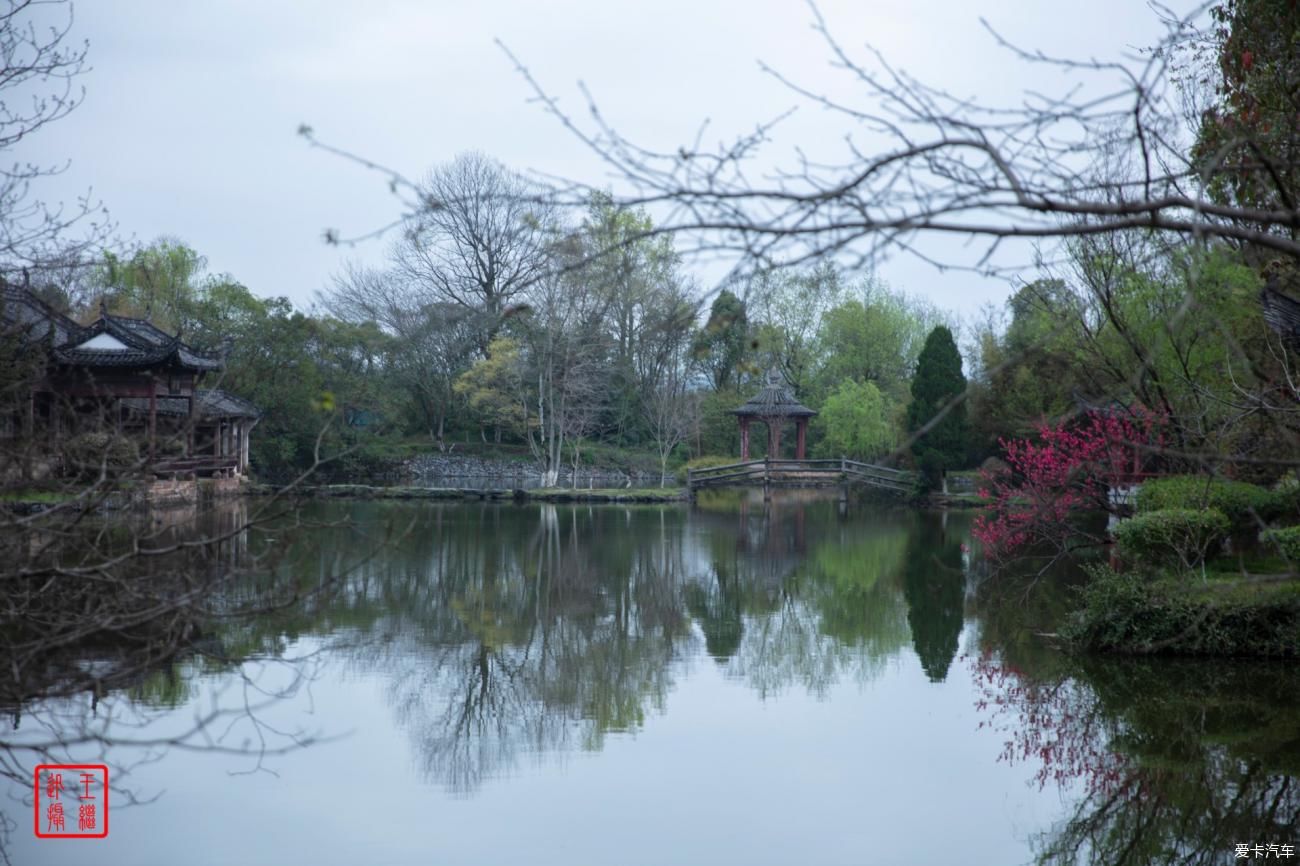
801	473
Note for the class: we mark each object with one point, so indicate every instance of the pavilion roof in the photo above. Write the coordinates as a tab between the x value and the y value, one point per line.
1282	314
135	342
208	403
775	400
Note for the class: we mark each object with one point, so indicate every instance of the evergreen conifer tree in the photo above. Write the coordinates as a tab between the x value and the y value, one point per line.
938	383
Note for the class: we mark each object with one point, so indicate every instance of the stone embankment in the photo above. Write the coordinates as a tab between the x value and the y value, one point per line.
444	468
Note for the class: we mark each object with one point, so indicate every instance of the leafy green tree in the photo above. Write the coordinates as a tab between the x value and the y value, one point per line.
494	388
936	417
1248	146
162	282
716	431
270	364
875	338
1030	372
719	348
856	421
648	310
787	308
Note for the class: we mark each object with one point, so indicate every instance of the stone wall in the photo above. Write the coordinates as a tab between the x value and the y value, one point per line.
171	491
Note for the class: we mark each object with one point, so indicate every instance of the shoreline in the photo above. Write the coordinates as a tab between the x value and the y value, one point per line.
498	494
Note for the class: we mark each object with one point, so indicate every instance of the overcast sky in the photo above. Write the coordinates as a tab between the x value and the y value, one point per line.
188	127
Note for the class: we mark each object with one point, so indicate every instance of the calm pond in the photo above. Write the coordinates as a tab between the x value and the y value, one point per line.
725	683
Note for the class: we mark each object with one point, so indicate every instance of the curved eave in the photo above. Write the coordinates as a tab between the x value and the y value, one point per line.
797	411
135	359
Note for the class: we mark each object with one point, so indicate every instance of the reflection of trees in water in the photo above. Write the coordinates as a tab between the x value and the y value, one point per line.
1176	761
532	637
151	602
510	631
101	615
795	595
934	585
1171	760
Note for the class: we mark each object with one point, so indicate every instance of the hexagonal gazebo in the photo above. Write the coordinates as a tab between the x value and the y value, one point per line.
774	405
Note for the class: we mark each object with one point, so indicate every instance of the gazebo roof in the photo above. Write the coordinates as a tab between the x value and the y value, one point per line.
776	400
1281	313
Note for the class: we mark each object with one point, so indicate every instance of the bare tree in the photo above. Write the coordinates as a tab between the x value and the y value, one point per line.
922	161
671	412
40	65
433	340
567	361
478	239
1122	146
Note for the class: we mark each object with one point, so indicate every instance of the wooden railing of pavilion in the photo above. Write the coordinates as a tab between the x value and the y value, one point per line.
200	466
801	473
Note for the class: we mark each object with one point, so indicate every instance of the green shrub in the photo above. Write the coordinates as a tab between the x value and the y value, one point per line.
1175	537
1243	504
1287	541
1286	500
707	461
1119	610
1128	613
87	452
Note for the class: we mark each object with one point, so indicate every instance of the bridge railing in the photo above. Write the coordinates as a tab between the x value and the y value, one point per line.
767	471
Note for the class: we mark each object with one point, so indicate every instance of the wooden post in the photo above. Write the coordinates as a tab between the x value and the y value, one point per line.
153	418
801	443
744	439
767	478
29	434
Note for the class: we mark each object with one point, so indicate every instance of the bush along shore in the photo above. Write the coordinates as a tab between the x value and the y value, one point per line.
1205	567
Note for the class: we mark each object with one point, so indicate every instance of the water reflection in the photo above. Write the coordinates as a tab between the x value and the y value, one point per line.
504	635
934	585
506	632
1173	760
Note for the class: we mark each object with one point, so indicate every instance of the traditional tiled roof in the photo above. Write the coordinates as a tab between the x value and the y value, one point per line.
143	343
1282	314
219	404
210	403
147	346
162	405
36	320
775	400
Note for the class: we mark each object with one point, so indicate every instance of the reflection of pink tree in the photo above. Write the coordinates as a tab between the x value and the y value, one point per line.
1139	750
1058	724
1067	471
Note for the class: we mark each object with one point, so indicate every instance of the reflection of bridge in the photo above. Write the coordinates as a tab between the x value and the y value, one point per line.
801	473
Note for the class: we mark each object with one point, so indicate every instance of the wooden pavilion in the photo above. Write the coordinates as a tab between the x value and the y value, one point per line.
123	376
774	406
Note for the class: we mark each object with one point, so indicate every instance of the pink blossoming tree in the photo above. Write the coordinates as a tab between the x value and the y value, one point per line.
1068	470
